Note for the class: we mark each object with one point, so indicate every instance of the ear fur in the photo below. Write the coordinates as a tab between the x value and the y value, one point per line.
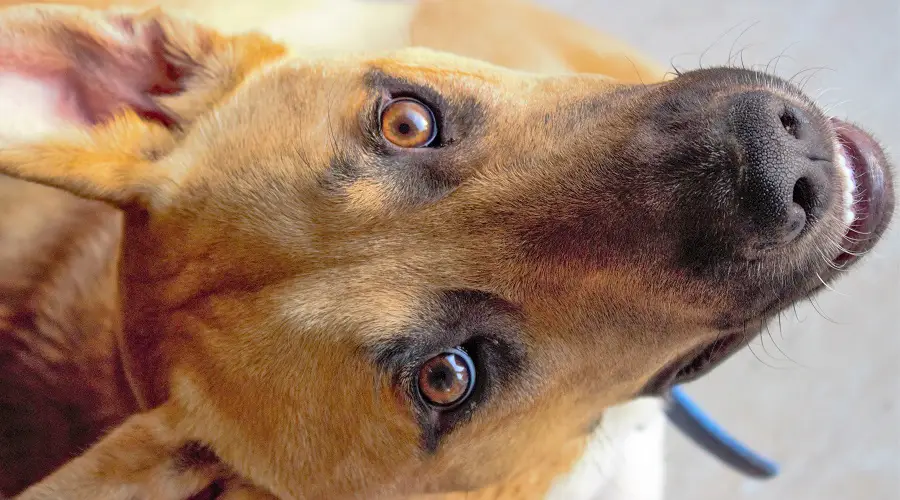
144	457
111	163
115	90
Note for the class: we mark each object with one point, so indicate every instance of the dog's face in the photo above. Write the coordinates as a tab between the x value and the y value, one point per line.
347	228
419	273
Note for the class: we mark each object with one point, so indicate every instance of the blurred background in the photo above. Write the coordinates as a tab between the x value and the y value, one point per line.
821	393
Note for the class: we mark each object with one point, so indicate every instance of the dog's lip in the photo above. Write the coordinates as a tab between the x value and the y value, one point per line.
859	160
695	364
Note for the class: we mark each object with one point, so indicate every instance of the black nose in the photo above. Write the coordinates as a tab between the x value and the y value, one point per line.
785	151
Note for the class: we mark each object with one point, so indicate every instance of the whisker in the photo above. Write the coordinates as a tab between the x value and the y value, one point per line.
829	109
676	69
636	72
762	343
815	305
806	70
824	91
736	40
716	42
829	287
777	59
740	55
797	315
780	327
750	348
792	360
828	261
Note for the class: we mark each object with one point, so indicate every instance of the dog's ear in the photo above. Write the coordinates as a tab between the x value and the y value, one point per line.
91	100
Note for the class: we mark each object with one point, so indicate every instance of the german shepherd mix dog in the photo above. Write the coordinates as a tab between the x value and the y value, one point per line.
257	250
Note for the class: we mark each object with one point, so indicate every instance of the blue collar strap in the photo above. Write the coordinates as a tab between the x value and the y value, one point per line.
691	420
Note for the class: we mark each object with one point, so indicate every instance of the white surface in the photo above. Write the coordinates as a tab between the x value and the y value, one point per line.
624	459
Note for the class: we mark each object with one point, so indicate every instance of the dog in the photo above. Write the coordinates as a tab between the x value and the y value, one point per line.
274	265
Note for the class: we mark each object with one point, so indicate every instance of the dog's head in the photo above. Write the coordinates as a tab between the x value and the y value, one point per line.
415	272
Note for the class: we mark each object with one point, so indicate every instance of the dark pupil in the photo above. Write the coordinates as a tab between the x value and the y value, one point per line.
404	128
441	378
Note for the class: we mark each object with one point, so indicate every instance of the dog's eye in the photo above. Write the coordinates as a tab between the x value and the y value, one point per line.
446	380
408	123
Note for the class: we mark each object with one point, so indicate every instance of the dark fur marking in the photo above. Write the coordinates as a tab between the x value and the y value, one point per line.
193	455
412	176
484	326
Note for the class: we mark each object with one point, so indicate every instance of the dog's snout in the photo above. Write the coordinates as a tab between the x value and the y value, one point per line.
785	155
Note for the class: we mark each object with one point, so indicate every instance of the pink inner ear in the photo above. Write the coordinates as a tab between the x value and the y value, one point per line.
38	98
86	79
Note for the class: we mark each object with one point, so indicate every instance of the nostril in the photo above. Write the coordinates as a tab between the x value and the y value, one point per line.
804	195
784	180
790	122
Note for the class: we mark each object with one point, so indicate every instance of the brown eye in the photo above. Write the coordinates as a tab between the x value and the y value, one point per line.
447	379
408	123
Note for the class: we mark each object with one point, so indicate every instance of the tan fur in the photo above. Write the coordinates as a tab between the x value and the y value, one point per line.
249	293
426	28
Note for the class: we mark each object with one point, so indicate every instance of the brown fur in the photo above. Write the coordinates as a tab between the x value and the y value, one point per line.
278	269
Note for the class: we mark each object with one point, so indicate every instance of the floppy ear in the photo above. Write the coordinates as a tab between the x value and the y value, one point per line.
90	100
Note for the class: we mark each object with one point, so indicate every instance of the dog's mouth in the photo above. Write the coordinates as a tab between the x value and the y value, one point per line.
868	206
867	201
696	363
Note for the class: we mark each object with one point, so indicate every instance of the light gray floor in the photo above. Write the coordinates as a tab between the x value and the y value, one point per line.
826	401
